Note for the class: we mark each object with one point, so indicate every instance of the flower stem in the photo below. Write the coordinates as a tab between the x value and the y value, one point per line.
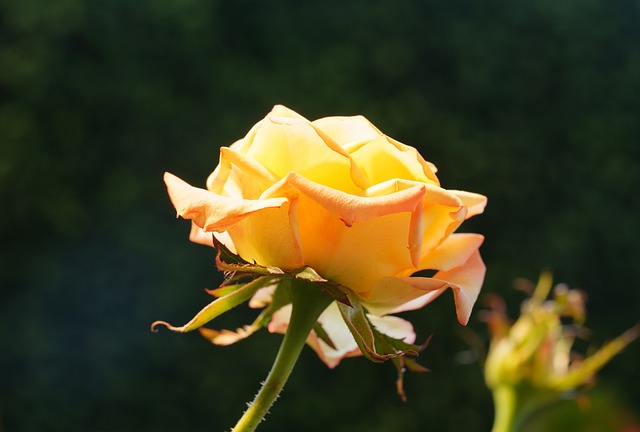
505	402
308	303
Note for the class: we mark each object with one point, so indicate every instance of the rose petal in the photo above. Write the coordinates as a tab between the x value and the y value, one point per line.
453	252
383	158
394	327
390	293
239	176
349	208
346	130
270	237
474	202
376	240
284	144
465	281
464	275
210	211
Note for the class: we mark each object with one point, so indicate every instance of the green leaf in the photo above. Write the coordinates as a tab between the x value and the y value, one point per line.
219	306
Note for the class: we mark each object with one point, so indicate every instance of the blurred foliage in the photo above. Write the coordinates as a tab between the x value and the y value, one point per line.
534	104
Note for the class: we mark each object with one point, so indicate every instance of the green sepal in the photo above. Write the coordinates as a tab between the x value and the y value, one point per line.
374	345
236	268
220	305
405	362
281	297
337	291
379	347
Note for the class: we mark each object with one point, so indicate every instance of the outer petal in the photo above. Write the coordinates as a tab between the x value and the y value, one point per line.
393	326
462	270
390	294
474	202
210	211
198	235
270	237
264	231
454	252
465	281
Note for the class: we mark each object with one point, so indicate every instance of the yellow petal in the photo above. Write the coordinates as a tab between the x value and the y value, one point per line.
239	176
363	238
270	237
283	111
284	144
210	211
346	130
383	159
347	207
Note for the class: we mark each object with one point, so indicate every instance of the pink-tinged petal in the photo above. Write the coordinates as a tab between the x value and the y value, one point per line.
262	297
344	130
210	211
474	202
200	236
227	337
389	294
383	159
465	281
394	327
453	252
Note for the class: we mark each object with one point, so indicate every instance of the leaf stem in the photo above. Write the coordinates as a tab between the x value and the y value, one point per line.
308	303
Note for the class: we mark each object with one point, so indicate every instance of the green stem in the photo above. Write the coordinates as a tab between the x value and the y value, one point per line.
308	303
516	405
505	403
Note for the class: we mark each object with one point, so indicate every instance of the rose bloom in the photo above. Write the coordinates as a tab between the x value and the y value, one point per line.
339	196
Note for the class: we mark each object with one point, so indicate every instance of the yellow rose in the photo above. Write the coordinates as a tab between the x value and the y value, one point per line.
339	196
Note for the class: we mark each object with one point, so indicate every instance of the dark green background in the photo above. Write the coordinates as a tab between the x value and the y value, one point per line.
534	103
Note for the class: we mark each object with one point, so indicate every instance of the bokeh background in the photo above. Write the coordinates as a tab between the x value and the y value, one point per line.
534	103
